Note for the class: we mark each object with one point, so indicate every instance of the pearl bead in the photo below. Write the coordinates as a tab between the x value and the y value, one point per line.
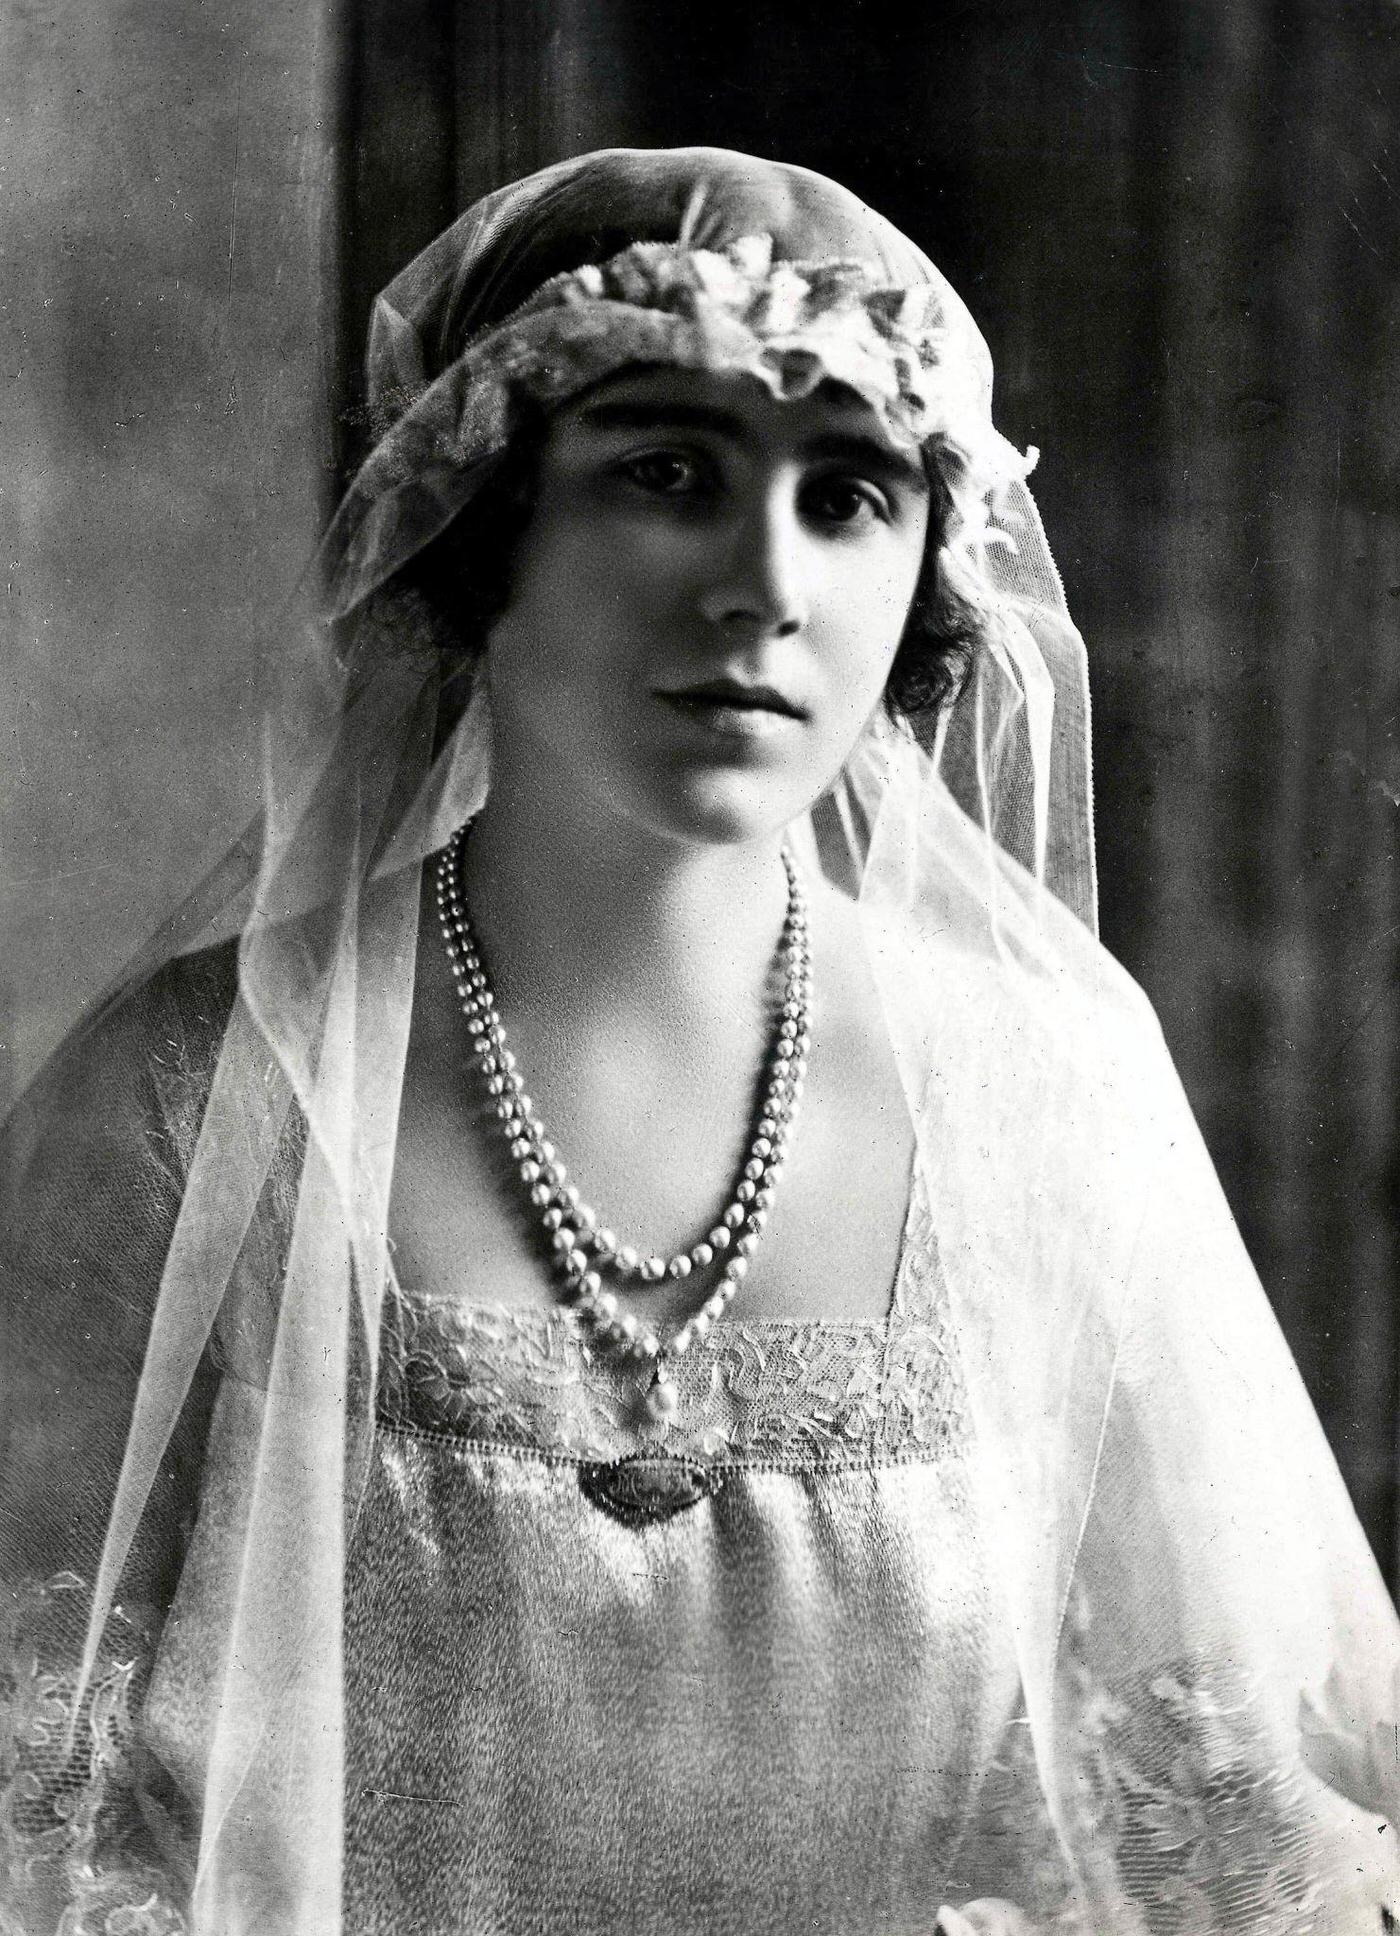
736	1268
647	1346
627	1326
540	1195
520	1148
680	1267
746	1191
734	1216
762	1147
592	1283
702	1255
546	1152
563	1240
700	1326
747	1244
663	1400
720	1237
530	1172
753	1169
571	1194
627	1259
554	1217
654	1269
605	1243
680	1344
712	1306
607	1303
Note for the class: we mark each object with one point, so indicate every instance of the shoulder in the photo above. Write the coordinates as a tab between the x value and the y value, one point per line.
1043	1092
91	1178
122	1096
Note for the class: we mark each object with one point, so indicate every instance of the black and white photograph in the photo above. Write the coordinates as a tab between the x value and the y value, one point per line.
699	968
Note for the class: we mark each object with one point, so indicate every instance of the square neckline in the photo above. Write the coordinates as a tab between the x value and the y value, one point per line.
917	1210
501	1380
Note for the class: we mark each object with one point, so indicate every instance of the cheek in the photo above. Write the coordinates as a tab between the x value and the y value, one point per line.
551	630
590	582
576	638
865	610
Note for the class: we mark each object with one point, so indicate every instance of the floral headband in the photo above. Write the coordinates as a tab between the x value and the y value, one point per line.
791	325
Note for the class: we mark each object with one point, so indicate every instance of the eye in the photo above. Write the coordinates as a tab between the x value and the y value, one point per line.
846	502
665	473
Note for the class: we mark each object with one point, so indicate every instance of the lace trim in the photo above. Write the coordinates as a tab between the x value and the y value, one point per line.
1186	1815
1210	1831
812	1393
71	1816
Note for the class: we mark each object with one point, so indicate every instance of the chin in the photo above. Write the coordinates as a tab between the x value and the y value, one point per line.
720	808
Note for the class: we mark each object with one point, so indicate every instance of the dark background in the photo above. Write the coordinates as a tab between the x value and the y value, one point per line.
1176	223
1177	226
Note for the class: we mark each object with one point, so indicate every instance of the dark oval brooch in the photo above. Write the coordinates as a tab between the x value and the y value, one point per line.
640	1491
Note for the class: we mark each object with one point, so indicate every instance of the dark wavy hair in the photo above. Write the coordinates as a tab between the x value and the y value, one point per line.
463	578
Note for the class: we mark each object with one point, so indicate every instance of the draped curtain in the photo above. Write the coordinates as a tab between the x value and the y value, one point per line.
1176	222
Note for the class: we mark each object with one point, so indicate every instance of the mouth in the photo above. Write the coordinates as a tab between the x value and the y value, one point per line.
713	697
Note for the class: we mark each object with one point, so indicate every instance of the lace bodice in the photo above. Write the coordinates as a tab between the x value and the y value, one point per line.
797	1393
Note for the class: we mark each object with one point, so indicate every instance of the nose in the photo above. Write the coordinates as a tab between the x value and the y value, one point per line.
759	583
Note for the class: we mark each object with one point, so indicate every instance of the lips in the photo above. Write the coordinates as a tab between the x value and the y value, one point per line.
732	695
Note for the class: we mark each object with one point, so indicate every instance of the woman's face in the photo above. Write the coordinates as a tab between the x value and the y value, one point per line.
706	602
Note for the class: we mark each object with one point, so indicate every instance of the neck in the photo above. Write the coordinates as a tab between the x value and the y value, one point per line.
584	916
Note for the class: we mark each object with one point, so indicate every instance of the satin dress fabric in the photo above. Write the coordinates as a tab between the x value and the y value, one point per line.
736	1674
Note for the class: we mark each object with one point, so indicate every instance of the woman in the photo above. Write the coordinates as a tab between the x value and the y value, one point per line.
875	1495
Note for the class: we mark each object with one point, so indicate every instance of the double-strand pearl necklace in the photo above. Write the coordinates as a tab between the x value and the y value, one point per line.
584	1249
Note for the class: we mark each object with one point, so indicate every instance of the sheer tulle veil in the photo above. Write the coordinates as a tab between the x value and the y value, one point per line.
1171	1538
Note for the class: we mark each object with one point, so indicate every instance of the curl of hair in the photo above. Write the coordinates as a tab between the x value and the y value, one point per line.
462	580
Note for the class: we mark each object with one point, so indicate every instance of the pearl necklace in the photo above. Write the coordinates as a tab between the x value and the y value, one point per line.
583	1248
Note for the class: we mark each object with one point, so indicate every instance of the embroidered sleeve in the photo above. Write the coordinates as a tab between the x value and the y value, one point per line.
88	1845
1186	1812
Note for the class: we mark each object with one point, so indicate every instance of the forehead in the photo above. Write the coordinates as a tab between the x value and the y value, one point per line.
732	404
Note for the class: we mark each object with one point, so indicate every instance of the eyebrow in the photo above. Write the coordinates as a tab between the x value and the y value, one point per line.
846	446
